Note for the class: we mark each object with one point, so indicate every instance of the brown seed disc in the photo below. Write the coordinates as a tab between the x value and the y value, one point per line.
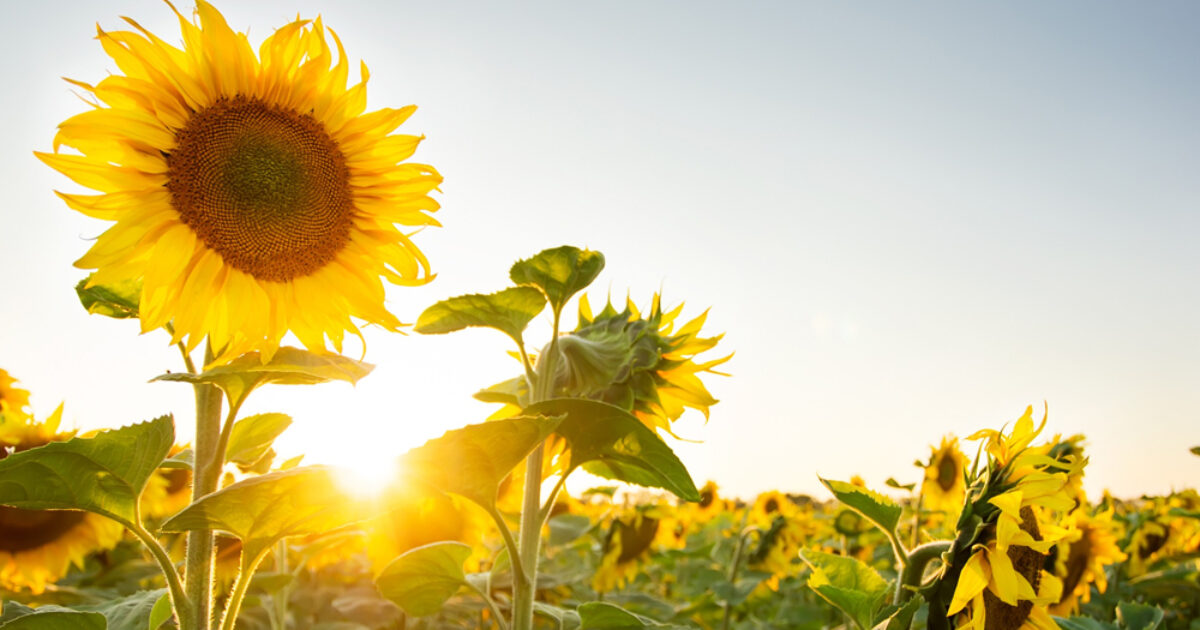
21	530
947	473
1028	564
1077	562
263	186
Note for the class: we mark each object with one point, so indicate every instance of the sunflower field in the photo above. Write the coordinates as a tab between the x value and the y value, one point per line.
254	211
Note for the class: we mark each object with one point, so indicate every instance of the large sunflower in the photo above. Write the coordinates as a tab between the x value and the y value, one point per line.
37	547
13	399
252	196
1089	546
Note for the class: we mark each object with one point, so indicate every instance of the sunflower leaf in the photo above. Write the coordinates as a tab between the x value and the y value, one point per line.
559	273
898	617
610	442
263	510
134	612
473	460
252	437
119	301
848	584
875	507
508	311
1134	616
422	579
55	618
606	616
104	474
289	366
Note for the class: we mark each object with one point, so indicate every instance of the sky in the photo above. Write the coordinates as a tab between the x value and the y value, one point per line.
908	220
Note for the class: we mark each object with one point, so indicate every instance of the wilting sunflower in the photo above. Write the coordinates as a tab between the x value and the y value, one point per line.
640	363
945	484
37	547
628	541
14	401
1090	545
251	194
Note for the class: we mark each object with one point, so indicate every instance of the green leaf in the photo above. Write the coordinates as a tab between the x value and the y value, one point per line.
252	436
56	618
563	618
875	507
104	474
289	366
566	528
892	483
119	301
422	579
508	311
1083	623
848	584
161	612
184	459
610	442
560	272
263	510
899	618
473	460
1133	616
135	612
605	616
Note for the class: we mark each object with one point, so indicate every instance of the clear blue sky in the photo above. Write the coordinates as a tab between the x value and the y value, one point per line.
910	220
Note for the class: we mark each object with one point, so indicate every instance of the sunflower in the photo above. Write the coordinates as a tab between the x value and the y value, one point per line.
642	364
419	519
945	484
14	401
37	547
783	528
168	490
251	194
1009	523
711	504
1090	544
628	541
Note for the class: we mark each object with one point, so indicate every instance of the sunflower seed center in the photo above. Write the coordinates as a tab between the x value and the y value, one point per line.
22	530
264	186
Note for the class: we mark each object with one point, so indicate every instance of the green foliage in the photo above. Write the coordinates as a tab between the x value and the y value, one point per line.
898	617
252	436
848	584
422	579
508	311
54	618
135	612
104	474
472	461
263	510
566	528
605	616
1134	616
288	366
612	443
559	273
875	507
119	301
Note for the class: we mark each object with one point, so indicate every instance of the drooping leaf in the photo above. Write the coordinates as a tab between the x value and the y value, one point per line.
263	510
119	301
104	474
848	584
875	507
560	272
473	460
1134	616
606	616
134	612
252	436
56	618
289	366
508	311
610	442
422	579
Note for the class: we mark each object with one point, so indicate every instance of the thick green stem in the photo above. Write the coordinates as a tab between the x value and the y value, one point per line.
179	599
234	605
198	570
918	558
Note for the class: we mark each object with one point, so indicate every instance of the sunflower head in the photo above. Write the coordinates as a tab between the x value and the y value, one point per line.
638	362
944	487
1079	560
37	547
251	194
14	401
629	540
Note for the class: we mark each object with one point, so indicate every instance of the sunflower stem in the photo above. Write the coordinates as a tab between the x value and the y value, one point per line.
179	599
198	570
918	558
240	586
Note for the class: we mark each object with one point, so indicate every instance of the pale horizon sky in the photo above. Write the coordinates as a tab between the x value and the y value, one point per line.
910	220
